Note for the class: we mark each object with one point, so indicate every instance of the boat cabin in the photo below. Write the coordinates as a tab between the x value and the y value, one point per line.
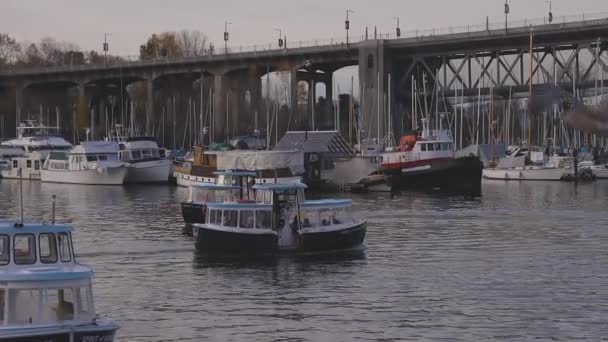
40	281
83	157
139	149
229	186
277	204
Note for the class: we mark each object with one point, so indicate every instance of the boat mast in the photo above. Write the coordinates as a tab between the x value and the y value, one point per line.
530	95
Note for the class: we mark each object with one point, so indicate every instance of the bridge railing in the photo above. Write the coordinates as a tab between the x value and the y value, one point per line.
299	46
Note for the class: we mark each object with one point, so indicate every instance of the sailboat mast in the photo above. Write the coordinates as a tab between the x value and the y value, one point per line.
530	90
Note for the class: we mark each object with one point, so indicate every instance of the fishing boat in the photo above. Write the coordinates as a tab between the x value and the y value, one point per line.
91	162
427	159
279	219
28	151
45	294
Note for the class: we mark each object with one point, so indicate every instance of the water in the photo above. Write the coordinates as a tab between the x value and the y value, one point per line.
524	261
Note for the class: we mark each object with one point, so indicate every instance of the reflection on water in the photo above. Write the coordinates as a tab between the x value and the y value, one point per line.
520	261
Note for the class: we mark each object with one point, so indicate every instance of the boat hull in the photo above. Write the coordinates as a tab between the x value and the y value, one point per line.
61	334
209	240
218	241
341	239
106	176
193	213
448	173
153	171
525	174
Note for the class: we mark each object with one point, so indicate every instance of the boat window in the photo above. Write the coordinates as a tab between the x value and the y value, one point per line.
229	218
246	219
28	164
262	219
135	154
310	219
102	157
215	217
2	304
423	147
15	165
25	249
84	301
64	247
57	305
23	306
430	147
48	248
92	158
5	247
325	217
36	165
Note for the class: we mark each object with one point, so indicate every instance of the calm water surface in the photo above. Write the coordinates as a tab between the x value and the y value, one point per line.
522	261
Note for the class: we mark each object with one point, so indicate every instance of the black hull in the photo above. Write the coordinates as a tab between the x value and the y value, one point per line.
215	241
336	240
193	213
448	174
101	336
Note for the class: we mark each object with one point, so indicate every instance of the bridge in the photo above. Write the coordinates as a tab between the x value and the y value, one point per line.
467	60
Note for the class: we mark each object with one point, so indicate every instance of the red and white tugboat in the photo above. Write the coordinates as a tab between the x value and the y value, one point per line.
427	159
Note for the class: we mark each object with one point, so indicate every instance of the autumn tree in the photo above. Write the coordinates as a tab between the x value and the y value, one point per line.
160	45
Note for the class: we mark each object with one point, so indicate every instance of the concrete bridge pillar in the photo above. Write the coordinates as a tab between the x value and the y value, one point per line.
18	102
149	104
82	110
219	108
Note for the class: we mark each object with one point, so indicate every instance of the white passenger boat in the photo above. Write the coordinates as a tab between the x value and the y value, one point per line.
278	220
514	168
144	157
45	295
92	162
35	141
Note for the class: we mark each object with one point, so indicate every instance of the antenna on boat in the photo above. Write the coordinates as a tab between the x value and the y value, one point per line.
21	194
53	216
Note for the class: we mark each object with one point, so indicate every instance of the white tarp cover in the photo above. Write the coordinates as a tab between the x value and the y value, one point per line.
510	162
261	160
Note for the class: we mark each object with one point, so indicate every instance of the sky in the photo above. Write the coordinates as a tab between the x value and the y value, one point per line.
131	22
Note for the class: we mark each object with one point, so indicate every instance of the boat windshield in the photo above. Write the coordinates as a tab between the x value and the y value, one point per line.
139	154
326	217
246	218
101	157
46	305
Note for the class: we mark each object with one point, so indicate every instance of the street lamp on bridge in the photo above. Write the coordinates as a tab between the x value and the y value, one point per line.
347	24
550	11
280	41
226	36
398	31
105	48
507	10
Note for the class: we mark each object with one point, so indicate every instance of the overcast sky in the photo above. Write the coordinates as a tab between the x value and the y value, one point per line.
130	22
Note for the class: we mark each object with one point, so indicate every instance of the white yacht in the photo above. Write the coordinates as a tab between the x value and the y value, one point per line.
91	162
45	295
147	165
515	168
599	170
35	142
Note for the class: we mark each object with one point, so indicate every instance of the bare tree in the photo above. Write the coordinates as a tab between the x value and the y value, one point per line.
9	48
192	43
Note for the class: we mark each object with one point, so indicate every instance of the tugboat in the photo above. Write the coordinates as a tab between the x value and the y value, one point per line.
278	220
427	159
45	295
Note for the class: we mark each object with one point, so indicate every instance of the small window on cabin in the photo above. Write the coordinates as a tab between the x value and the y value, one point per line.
48	248
246	219
15	165
230	218
28	164
5	247
135	154
25	249
437	147
91	158
23	307
423	147
102	157
325	217
36	165
430	147
64	247
262	219
57	305
84	302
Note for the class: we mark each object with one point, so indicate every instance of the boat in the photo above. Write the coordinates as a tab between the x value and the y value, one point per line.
91	162
147	160
278	220
269	166
546	168
144	157
45	294
361	172
427	159
227	183
35	141
599	170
